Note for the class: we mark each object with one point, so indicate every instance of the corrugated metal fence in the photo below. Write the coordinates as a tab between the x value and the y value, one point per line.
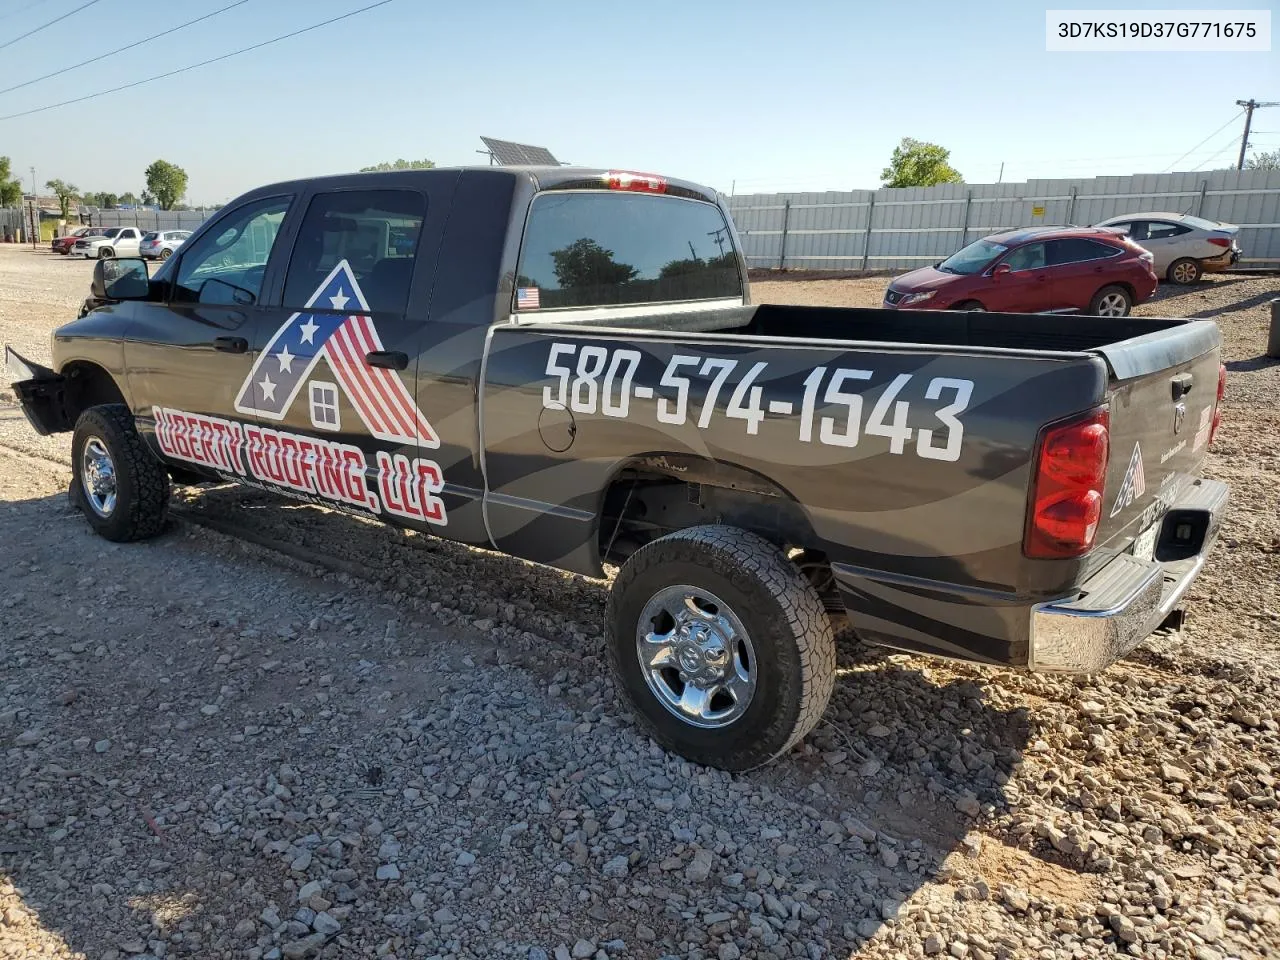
907	228
152	219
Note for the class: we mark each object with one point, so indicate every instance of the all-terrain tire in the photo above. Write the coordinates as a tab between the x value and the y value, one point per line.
795	656
141	481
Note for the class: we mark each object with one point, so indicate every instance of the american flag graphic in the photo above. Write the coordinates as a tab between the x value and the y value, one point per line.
379	396
527	298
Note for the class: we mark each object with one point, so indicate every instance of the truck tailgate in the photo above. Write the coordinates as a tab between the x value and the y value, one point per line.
1162	398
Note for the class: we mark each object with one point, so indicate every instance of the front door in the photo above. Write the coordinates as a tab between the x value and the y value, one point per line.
1025	288
128	242
332	382
188	356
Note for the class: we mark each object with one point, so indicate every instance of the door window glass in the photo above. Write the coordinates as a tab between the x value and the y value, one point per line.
1029	257
375	232
1163	231
226	265
1079	250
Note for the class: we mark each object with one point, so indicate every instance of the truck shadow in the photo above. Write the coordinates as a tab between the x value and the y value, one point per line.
877	812
911	756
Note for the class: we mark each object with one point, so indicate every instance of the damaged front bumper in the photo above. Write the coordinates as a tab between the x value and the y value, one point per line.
41	392
1123	602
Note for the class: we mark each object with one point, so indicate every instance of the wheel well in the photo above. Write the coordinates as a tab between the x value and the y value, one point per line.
965	303
1122	284
659	495
87	385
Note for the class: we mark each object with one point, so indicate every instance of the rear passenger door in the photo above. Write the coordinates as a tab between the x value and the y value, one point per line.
332	385
1078	269
1165	242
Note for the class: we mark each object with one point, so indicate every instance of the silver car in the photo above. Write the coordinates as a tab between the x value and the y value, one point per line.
1184	247
160	244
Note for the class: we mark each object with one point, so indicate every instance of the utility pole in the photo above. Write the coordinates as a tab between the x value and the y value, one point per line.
1249	105
33	181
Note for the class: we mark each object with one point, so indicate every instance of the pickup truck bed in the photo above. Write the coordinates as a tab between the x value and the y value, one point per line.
557	364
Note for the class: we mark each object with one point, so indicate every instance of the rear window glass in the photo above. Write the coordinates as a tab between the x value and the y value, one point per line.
1200	223
150	236
607	249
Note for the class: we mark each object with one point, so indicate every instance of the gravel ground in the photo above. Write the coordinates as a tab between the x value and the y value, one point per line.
213	749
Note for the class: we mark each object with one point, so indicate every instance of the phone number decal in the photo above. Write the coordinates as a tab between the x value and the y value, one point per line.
830	410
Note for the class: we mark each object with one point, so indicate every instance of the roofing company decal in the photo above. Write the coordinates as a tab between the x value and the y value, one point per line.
1134	484
378	395
315	468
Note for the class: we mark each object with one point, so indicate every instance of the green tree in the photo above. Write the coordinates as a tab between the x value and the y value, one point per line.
584	263
1266	160
399	165
129	199
65	192
10	187
167	181
148	199
916	163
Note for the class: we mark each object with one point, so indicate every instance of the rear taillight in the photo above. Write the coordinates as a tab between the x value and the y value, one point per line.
1066	495
1217	404
1219	241
635	182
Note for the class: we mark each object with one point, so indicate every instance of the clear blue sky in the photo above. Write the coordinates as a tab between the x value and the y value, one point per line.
796	95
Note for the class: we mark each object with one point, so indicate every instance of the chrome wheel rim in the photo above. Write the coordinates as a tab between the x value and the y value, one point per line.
1112	305
696	656
1184	272
98	477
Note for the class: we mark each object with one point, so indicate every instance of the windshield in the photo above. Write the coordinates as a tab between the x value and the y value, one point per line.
111	231
972	258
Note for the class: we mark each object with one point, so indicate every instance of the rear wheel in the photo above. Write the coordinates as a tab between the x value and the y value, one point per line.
1184	271
721	645
166	253
120	487
1111	302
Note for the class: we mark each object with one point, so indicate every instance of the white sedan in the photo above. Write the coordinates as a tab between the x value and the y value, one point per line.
1183	247
109	242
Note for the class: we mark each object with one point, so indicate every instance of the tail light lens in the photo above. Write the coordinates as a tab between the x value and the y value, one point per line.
635	182
1220	241
1217	405
1066	495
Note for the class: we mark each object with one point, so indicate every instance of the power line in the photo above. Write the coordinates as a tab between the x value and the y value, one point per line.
193	66
1204	141
1231	145
29	6
42	26
137	43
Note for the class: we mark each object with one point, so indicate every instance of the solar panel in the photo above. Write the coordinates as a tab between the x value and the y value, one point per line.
509	154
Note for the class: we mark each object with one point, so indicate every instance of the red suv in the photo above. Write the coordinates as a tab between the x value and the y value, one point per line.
1042	270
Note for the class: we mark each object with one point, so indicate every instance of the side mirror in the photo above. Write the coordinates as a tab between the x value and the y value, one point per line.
1001	269
123	279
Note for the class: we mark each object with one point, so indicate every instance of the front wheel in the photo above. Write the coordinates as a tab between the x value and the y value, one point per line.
120	487
1111	302
105	253
970	306
721	645
1185	271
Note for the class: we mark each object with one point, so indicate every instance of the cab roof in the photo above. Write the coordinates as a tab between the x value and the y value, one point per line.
540	177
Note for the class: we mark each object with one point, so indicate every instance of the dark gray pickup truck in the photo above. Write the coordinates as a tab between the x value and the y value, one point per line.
565	365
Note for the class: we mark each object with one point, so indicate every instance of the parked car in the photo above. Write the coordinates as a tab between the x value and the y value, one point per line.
1184	247
159	245
1018	490
111	242
1036	270
63	244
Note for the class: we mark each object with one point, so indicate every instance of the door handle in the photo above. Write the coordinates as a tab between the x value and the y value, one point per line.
231	344
391	359
1181	385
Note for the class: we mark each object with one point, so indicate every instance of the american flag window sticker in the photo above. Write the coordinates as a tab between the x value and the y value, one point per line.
527	298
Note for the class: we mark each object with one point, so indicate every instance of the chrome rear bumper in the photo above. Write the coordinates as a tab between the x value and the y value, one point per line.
1121	604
